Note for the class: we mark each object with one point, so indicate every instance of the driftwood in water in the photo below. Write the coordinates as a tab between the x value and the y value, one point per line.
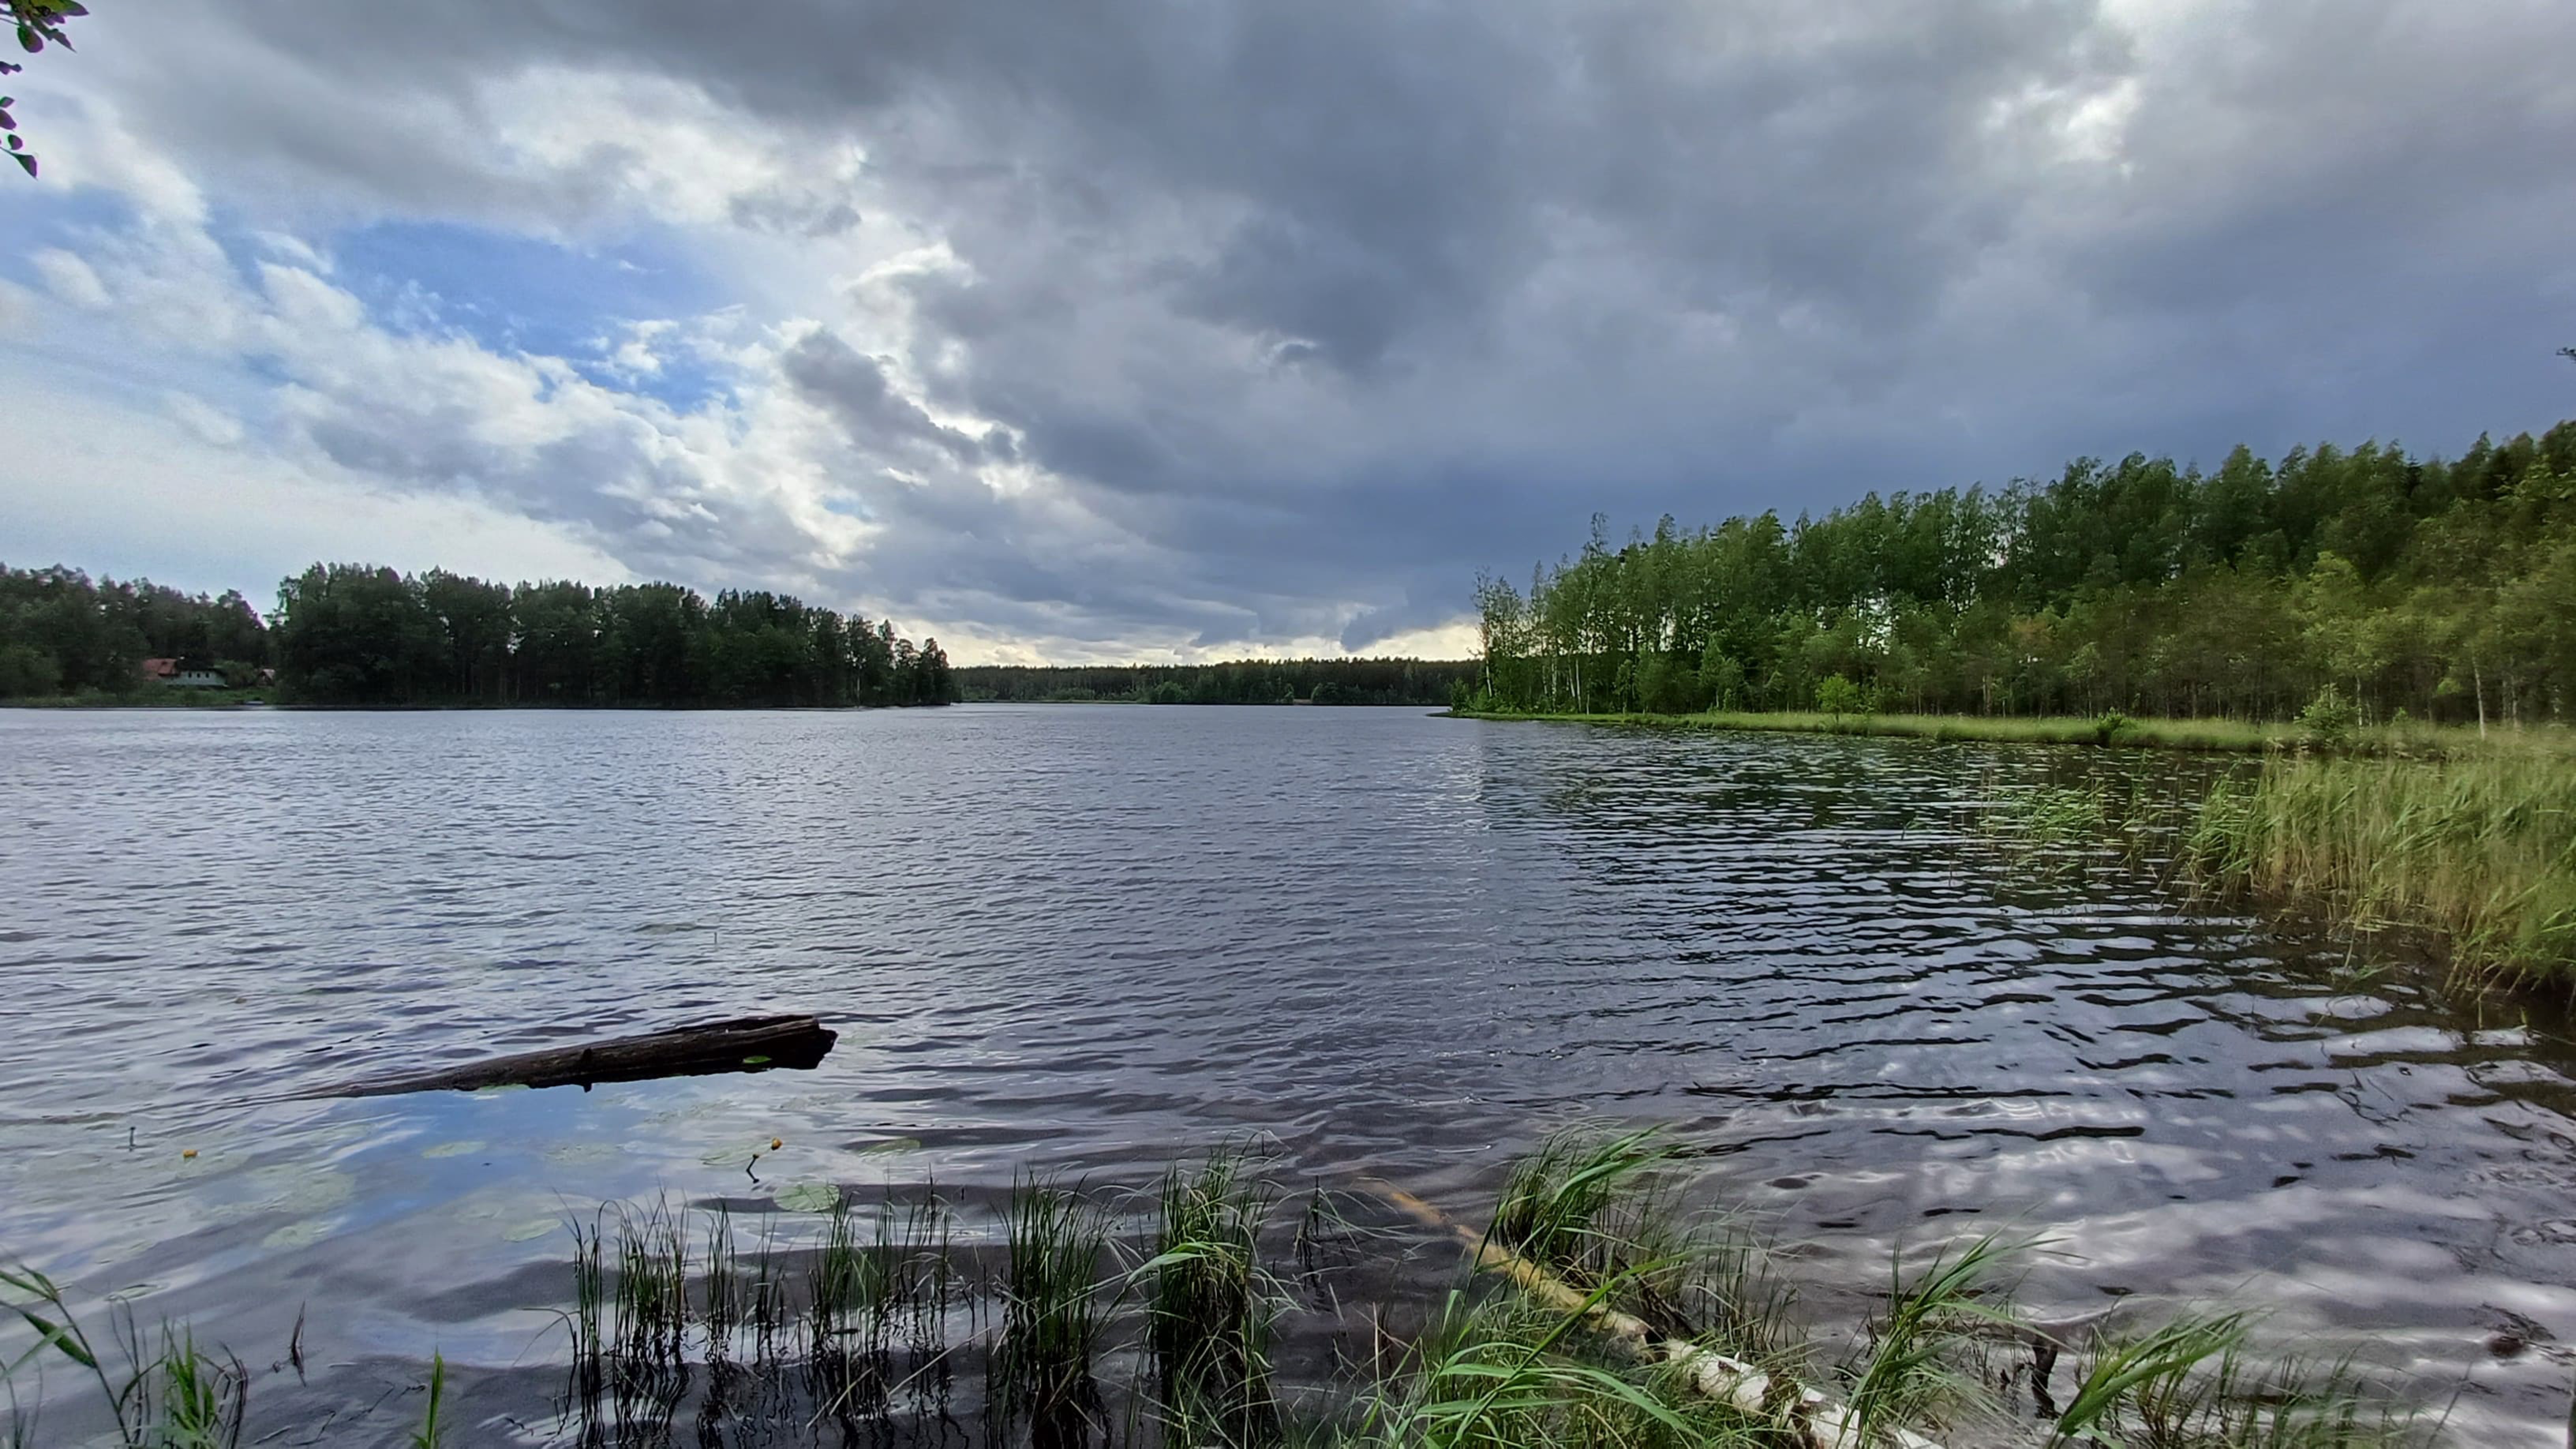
1806	1418
751	1044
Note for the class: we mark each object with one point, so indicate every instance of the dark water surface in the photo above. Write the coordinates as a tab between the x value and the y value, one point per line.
1098	937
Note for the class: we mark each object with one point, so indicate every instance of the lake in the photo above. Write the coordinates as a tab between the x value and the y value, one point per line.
1092	938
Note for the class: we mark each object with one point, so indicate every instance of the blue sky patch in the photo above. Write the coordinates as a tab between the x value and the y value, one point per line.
515	293
72	220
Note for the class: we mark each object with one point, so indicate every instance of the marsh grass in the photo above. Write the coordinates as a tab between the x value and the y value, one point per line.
1920	1365
1160	1304
1209	1306
1054	1315
2192	1384
1580	1202
2050	829
1503	1374
2481	851
174	1395
2203	735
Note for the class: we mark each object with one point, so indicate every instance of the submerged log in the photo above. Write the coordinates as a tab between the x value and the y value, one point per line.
1807	1418
750	1044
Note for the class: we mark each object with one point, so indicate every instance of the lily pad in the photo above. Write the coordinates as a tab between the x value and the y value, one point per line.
894	1144
295	1235
810	1197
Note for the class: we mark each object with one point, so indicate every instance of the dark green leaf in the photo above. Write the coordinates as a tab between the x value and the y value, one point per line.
28	38
23	159
53	1333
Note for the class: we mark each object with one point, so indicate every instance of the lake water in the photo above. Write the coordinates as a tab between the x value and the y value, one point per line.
1094	938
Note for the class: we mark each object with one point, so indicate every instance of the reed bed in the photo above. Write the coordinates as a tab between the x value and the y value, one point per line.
2480	850
2223	736
1163	1302
2208	735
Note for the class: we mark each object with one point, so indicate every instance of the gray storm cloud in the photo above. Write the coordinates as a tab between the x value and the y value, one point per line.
1313	310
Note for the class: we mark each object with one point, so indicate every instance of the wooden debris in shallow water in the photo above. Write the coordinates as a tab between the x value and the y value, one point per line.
746	1044
1818	1422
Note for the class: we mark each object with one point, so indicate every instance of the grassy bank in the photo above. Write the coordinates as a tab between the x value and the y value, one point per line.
2469	837
2411	741
1590	1312
2230	736
2480	851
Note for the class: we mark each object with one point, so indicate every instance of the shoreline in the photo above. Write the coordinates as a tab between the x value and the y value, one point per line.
2194	736
2198	735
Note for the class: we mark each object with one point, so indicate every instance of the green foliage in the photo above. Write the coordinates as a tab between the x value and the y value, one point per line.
1429	682
2192	1384
176	1397
869	1318
430	1429
1209	1307
2111	725
2481	850
350	634
1556	1207
1837	695
2113	589
2330	718
1053	1317
1504	1376
63	633
1912	1371
36	24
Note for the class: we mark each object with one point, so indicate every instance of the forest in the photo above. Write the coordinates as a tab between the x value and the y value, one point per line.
350	634
1244	681
2392	586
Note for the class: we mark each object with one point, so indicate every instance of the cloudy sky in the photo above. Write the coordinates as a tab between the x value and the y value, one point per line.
1097	329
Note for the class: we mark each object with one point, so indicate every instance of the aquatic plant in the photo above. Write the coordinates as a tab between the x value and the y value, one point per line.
1053	1315
1506	1374
428	1435
1604	1317
1912	1372
177	1396
1557	1203
2192	1384
1209	1307
2480	850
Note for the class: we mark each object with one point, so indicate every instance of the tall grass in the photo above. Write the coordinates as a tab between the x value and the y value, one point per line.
2480	850
1505	1375
1054	1315
1913	1372
175	1396
1209	1306
2192	1384
2205	735
1577	1203
1608	1320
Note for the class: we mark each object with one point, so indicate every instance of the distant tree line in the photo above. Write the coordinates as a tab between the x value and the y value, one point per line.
60	633
356	635
2446	589
1249	681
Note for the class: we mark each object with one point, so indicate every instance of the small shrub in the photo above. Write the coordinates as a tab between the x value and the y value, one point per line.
2111	724
1838	695
2330	719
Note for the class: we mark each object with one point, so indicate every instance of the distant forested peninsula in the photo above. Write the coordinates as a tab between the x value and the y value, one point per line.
2363	580
348	634
1244	681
